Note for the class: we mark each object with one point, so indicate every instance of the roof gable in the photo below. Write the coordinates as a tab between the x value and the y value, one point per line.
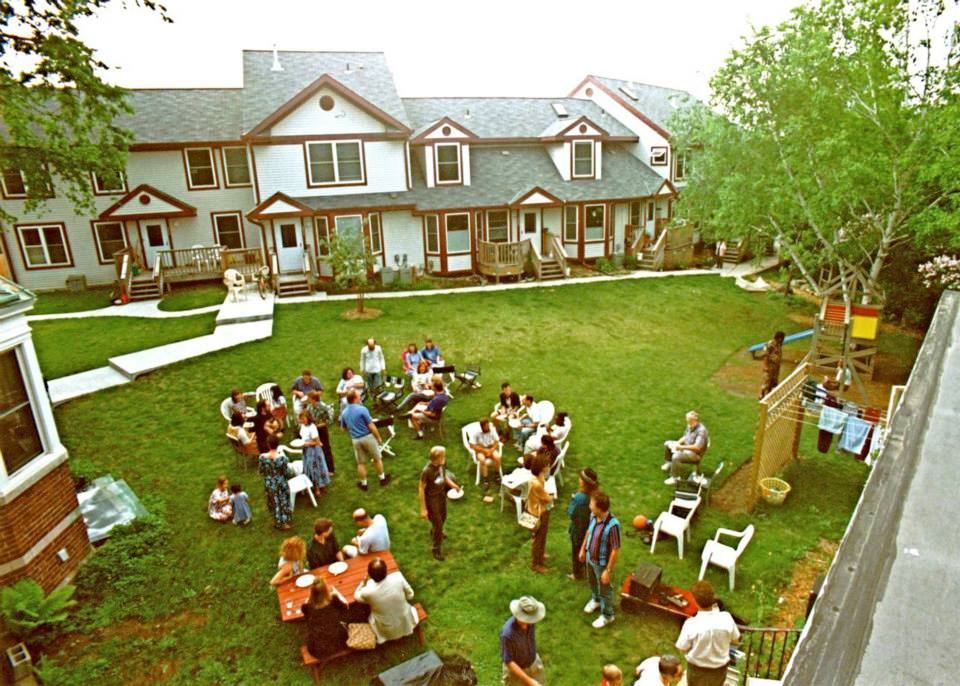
580	127
442	129
146	202
654	105
535	197
279	205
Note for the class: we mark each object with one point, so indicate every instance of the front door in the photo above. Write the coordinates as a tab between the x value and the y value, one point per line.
289	242
154	236
530	225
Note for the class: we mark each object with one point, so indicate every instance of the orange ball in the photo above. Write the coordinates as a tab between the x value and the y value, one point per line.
640	522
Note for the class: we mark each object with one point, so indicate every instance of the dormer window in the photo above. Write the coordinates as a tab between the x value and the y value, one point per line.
583	159
448	162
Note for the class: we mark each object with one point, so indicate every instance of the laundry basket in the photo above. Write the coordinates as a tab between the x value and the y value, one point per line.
774	490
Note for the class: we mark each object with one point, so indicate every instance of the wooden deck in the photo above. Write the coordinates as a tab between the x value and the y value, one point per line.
207	263
502	259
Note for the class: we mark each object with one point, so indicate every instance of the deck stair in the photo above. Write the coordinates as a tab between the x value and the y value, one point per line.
144	287
289	285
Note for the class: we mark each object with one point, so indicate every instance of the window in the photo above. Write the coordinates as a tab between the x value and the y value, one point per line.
679	167
649	211
228	230
593	223
236	170
323	235
658	156
110	238
200	170
498	229
582	159
288	236
529	222
571	217
636	213
433	234
448	162
376	234
19	438
44	245
458	233
14	185
350	228
334	163
109	183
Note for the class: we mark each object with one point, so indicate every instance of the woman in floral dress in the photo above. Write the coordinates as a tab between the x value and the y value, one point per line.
275	471
314	462
218	505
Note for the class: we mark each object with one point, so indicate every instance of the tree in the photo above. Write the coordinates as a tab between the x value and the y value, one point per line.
56	112
835	134
351	262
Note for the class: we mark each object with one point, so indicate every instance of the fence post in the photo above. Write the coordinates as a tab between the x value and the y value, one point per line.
757	456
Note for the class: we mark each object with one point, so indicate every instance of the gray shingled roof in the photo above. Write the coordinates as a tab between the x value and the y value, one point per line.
656	102
189	114
265	91
496	178
506	117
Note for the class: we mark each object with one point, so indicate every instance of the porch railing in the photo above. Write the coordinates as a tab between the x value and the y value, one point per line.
123	261
658	251
502	259
556	250
207	262
765	652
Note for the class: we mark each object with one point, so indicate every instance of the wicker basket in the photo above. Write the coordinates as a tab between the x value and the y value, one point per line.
774	490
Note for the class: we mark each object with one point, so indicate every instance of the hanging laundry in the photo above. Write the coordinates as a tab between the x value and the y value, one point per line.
833	420
871	415
854	435
825	437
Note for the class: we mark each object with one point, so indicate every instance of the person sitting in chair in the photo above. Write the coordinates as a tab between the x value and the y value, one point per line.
486	444
349	381
422	385
508	406
237	430
689	449
432	411
431	353
301	386
528	424
389	596
238	402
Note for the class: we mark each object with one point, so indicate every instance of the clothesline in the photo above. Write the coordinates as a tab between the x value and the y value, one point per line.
796	417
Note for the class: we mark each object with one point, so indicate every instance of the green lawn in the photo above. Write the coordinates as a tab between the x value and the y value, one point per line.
68	346
54	302
625	359
192	297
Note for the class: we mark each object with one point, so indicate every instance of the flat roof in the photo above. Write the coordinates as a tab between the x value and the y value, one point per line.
885	613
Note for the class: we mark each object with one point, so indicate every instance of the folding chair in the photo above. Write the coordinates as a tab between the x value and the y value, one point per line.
389	393
468	377
703	484
386	423
451	371
432	424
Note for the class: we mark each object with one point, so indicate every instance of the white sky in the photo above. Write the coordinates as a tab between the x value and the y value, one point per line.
480	48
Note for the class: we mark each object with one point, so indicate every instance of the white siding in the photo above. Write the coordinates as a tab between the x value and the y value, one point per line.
428	154
465	163
459	263
283	168
311	120
560	154
598	159
591	250
403	235
552	220
621	216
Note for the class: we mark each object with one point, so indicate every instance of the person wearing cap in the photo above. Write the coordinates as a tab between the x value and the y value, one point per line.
659	670
522	665
434	482
706	637
578	511
600	550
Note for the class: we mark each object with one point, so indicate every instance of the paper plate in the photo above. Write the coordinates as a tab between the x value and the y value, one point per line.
350	550
454	494
296	443
337	568
305	580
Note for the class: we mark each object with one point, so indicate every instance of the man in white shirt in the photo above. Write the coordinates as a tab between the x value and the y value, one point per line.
528	423
373	536
485	443
659	670
372	364
706	638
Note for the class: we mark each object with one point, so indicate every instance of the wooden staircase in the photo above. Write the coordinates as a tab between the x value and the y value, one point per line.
550	270
736	252
144	287
290	285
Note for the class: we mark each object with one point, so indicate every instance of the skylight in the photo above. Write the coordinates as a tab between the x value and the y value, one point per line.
629	93
560	110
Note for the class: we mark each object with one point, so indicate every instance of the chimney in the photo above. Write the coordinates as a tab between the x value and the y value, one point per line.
276	60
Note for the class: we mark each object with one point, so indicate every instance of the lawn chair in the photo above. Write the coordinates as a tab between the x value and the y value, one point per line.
556	469
386	424
673	524
451	371
468	377
547	411
225	408
433	424
389	393
243	457
236	284
702	483
465	433
298	484
721	555
515	492
564	433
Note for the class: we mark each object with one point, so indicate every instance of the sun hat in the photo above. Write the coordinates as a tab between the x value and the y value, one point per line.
528	609
589	476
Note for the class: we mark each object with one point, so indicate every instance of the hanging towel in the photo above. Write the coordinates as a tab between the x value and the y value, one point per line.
832	420
872	415
851	408
854	435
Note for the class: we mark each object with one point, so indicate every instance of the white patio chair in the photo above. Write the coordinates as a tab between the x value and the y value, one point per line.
298	484
263	393
556	469
546	411
674	524
465	433
724	556
235	283
296	466
561	434
225	408
517	492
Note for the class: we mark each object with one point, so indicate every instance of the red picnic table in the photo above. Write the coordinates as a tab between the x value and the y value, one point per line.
291	597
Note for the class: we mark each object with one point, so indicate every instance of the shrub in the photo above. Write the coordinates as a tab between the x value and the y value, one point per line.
604	266
630	261
129	558
26	609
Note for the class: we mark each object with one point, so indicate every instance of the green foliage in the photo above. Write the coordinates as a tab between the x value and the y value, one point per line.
128	559
93	671
908	300
192	297
26	609
605	266
58	114
630	261
352	264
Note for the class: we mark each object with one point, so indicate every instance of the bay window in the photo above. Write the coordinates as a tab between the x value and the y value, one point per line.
322	235
593	222
571	218
458	233
376	234
432	225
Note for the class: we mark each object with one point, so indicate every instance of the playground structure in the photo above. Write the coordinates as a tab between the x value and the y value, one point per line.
845	335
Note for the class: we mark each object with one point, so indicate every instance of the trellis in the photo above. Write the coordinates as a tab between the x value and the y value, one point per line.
778	430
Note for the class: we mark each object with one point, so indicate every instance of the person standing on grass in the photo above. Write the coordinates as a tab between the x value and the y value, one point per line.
314	464
372	364
706	638
434	482
538	504
600	550
772	355
611	676
356	420
522	665
322	414
578	512
276	471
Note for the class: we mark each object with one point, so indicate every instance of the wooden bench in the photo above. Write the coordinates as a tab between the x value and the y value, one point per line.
316	665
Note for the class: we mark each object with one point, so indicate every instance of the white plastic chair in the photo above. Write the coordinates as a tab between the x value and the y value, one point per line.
674	524
724	556
235	283
465	433
556	469
561	434
263	393
546	411
225	408
517	493
297	484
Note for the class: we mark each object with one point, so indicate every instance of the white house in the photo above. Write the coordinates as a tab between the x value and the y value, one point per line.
320	143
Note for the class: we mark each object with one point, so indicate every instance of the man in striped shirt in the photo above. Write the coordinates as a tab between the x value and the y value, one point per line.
600	549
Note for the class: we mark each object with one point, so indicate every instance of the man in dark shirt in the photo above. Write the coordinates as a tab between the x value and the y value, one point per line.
433	410
522	665
600	549
302	385
434	482
323	549
260	429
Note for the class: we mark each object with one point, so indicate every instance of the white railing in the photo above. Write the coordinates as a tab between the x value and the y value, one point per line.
556	250
275	271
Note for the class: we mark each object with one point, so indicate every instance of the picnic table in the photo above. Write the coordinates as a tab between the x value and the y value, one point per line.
291	597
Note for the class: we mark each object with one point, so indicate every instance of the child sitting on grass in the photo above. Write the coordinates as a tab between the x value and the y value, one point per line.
241	507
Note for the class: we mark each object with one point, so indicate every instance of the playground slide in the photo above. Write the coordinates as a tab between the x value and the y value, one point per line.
757	347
